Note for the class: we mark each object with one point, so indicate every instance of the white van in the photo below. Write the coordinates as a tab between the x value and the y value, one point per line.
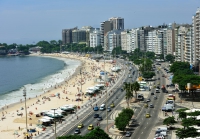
102	107
163	129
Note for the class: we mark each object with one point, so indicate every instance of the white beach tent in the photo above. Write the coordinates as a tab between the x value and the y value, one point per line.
90	91
44	121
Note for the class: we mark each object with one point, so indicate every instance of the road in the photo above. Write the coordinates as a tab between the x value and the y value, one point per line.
144	125
112	98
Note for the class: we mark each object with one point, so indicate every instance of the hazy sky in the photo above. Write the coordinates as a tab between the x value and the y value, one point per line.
28	21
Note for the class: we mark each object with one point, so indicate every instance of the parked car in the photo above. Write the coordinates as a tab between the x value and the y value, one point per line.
128	134
152	93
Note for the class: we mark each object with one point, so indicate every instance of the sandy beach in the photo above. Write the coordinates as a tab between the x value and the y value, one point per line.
13	126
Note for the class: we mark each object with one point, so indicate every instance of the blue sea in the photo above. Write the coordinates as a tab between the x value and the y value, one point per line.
36	73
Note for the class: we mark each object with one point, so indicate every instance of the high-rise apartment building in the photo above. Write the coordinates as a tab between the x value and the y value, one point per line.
95	38
188	47
112	40
78	36
88	30
105	27
196	35
67	35
129	40
117	23
170	41
114	23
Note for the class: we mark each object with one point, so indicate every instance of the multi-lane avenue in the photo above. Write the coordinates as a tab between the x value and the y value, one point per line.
115	97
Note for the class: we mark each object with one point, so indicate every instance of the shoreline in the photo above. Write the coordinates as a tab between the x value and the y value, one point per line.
68	90
4	108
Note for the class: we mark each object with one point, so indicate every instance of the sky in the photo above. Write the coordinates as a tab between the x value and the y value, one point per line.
31	21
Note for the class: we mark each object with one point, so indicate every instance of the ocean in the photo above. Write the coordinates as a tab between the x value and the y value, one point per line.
36	73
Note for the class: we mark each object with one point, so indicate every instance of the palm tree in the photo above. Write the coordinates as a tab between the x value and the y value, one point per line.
136	87
128	88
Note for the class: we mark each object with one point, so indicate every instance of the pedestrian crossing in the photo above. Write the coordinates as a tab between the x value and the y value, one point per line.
115	137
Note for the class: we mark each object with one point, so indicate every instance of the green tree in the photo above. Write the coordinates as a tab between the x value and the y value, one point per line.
170	58
169	121
181	113
120	122
136	87
186	133
150	55
179	66
129	92
123	119
97	133
71	137
187	122
148	74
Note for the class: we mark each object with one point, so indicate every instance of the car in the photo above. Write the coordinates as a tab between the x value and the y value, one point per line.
96	115
147	115
155	97
96	108
112	105
128	134
145	105
90	127
148	100
108	109
129	76
158	87
99	118
157	90
77	131
152	93
80	125
165	91
163	75
151	106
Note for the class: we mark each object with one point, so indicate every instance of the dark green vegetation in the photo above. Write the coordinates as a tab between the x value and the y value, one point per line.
183	75
97	133
123	119
170	58
52	47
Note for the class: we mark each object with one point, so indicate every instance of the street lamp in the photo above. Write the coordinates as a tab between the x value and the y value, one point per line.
106	92
54	122
24	94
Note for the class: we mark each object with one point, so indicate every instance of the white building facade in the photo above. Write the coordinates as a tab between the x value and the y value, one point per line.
95	38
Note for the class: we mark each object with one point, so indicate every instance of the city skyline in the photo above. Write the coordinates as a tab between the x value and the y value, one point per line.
26	22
